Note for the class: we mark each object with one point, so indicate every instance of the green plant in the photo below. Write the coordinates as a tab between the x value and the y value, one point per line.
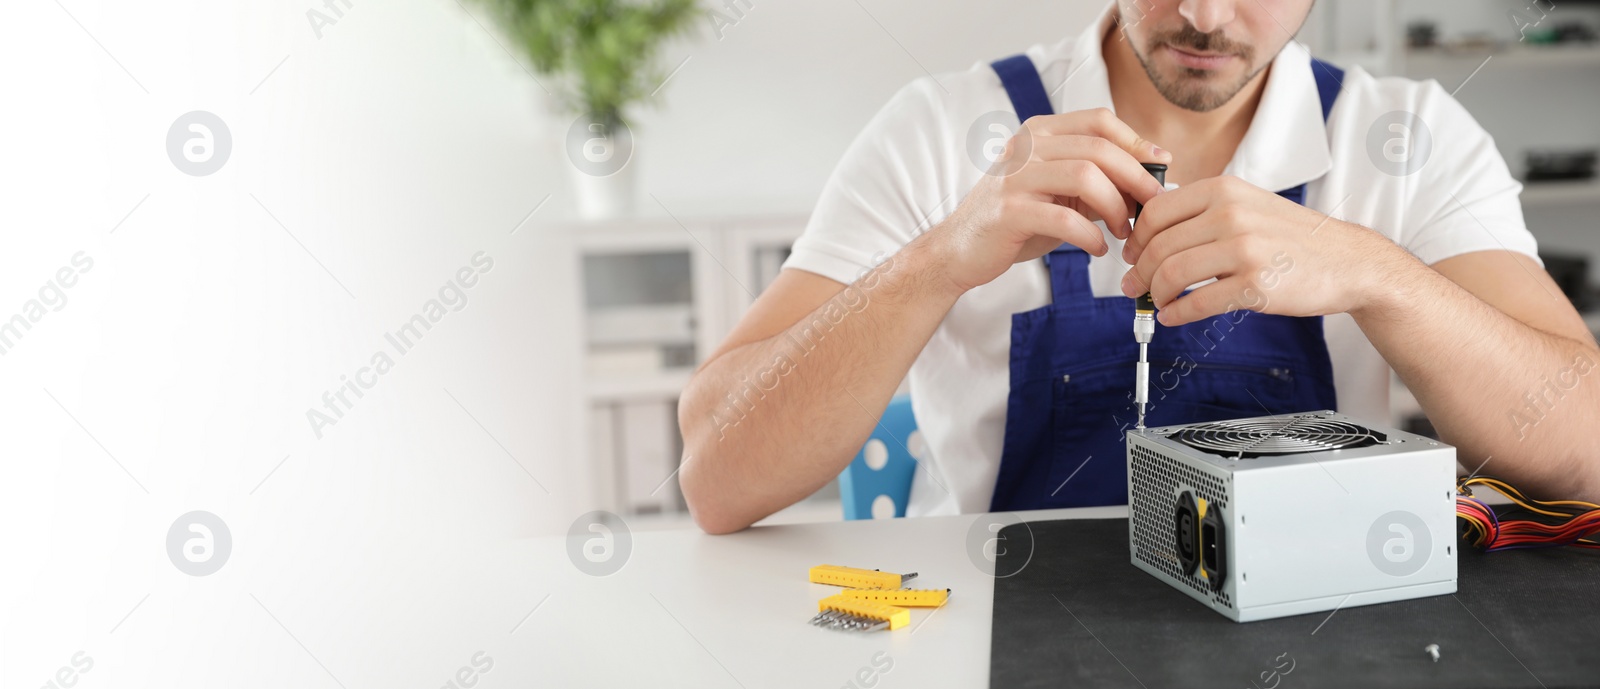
601	54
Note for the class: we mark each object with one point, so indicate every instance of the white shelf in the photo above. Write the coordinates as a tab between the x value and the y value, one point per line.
1518	55
699	233
723	253
666	384
1561	193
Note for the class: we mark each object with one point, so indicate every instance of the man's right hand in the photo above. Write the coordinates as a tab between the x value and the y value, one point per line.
1058	175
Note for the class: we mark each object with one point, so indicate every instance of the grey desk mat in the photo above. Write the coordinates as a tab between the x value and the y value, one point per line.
1078	614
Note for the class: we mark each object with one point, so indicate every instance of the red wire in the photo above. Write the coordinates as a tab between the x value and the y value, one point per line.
1496	534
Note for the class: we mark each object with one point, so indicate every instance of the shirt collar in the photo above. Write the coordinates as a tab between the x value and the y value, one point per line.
1287	143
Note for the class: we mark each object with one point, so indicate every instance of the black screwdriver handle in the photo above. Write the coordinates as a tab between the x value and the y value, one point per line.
1158	171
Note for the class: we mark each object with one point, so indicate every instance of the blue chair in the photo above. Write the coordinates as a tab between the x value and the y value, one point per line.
877	484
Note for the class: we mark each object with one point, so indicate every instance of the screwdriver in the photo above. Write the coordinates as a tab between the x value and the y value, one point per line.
1144	317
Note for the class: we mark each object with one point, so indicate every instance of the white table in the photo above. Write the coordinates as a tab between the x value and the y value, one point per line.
691	610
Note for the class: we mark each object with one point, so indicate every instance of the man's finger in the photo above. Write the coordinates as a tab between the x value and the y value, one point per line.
1165	211
1173	275
1059	222
1178	239
1214	299
1099	122
1122	168
1083	180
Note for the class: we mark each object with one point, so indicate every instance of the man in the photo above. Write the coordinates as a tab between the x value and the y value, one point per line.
1325	226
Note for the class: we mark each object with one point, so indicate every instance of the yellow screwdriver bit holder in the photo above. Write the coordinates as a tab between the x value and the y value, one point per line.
904	598
851	577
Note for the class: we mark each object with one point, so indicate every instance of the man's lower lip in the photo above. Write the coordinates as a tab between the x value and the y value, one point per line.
1193	61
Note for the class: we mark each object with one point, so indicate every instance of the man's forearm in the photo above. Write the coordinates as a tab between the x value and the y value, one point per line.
769	423
1519	402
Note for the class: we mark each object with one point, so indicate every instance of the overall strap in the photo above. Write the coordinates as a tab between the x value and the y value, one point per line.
1330	80
1029	98
1022	83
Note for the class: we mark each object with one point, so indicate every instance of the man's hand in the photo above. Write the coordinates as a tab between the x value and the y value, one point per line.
1268	254
1059	174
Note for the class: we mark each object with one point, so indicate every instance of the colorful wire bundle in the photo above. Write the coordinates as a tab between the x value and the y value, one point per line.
1547	523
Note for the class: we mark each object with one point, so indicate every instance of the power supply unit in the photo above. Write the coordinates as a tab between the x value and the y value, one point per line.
1285	515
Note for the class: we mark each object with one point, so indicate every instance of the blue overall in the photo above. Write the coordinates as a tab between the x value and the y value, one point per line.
1072	364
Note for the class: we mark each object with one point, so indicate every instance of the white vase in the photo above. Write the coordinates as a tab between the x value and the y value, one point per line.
601	158
605	198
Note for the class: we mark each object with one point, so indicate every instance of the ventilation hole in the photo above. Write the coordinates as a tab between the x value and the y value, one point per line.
1155	484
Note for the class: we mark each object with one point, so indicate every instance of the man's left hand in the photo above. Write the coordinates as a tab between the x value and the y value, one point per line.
1268	254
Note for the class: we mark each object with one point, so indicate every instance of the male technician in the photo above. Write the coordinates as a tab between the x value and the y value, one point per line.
1325	226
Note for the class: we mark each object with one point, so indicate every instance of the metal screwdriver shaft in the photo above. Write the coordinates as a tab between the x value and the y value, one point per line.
1144	318
1144	328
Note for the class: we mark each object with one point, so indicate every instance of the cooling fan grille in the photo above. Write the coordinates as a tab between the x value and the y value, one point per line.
1282	435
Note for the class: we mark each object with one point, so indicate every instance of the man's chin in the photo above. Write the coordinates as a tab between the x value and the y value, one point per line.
1199	90
1191	88
1198	97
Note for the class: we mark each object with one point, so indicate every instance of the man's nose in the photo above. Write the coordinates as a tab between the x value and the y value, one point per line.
1207	16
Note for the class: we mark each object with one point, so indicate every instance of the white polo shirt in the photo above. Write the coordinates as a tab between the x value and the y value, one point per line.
910	168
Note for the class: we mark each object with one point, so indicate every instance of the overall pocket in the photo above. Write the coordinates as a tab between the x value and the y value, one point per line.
1092	409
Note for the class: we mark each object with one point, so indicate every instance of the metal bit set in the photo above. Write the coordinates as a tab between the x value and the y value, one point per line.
849	623
846	622
851	614
872	599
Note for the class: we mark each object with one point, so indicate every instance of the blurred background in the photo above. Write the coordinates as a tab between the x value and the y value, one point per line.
358	279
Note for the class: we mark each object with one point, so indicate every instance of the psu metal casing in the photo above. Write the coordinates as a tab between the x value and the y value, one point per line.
1296	533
